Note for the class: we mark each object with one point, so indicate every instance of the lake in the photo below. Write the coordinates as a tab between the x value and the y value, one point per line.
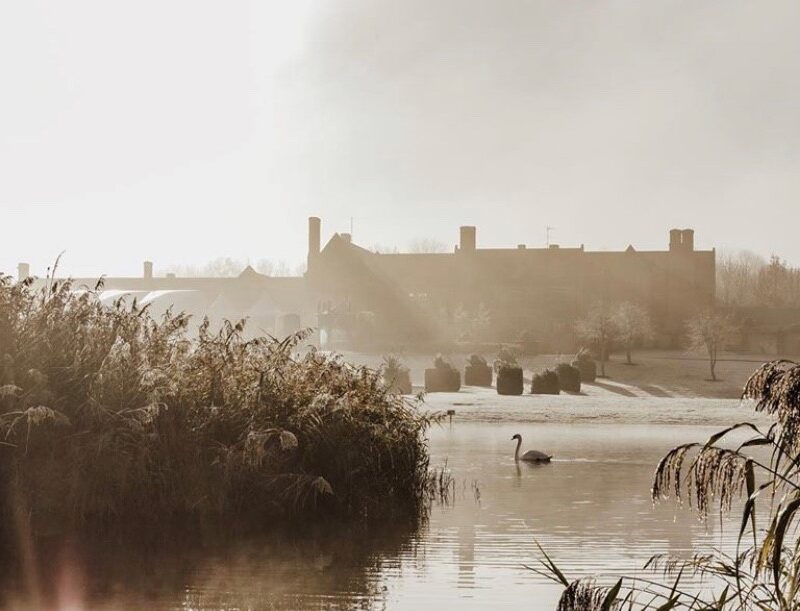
590	509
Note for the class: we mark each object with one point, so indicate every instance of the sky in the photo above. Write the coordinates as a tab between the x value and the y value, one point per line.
180	131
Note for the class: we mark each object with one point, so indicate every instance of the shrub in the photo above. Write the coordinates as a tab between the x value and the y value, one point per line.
476	360
545	383
443	377
477	372
396	376
111	418
569	377
509	381
506	357
586	365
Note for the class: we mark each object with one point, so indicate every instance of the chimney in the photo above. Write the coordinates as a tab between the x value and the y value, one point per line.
521	247
314	229
23	271
346	237
687	240
674	240
467	242
148	269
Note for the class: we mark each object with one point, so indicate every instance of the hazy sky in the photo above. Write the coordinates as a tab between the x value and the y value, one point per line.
184	130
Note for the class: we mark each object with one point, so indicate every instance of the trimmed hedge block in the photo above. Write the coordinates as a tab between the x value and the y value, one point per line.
569	377
509	381
587	368
400	382
545	383
440	379
478	375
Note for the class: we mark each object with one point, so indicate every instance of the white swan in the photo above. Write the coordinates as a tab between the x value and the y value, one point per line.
530	455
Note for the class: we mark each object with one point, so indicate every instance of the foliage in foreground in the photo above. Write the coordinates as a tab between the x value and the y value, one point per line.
109	417
764	470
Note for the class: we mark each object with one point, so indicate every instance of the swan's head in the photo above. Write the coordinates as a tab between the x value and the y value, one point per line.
517	436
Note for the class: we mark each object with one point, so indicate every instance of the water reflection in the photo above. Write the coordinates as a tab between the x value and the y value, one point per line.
589	508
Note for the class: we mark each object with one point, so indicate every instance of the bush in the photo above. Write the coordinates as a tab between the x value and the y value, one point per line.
443	377
396	376
478	372
506	357
545	383
111	418
476	360
569	377
509	381
586	365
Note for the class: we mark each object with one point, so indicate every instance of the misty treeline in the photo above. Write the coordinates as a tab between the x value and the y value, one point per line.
420	245
222	267
746	279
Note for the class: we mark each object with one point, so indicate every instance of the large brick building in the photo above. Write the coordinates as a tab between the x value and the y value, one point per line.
355	295
541	291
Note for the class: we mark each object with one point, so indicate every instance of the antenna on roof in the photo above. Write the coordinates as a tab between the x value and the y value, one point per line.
351	227
547	235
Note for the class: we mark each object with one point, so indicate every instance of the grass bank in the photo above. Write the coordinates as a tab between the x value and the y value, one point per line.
111	419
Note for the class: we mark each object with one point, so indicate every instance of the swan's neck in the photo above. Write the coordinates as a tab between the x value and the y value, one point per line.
516	453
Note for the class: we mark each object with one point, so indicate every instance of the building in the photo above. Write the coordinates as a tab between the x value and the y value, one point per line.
498	294
355	296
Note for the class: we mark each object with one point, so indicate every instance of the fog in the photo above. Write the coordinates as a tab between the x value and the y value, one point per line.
195	130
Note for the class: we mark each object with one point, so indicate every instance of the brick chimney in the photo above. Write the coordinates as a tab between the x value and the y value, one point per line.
467	238
687	239
674	240
148	270
314	243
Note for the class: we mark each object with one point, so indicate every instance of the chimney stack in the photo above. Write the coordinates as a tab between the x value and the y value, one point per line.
23	271
674	240
687	240
148	269
314	231
346	237
467	241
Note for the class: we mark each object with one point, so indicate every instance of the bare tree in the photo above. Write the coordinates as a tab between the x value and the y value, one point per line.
737	277
599	328
226	267
711	331
633	324
426	245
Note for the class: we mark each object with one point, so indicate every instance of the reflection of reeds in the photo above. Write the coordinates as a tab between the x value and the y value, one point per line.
764	571
109	417
441	486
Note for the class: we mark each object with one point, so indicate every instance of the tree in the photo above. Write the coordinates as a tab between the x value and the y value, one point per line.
737	277
633	324
226	267
471	325
599	328
426	245
710	331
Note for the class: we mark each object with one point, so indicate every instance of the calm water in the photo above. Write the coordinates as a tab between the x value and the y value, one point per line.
590	509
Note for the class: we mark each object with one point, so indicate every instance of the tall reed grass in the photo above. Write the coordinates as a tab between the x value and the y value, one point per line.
763	471
110	418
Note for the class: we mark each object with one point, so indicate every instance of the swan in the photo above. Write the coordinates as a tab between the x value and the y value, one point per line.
530	455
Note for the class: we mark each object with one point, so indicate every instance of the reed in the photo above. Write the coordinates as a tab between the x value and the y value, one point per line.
764	471
112	419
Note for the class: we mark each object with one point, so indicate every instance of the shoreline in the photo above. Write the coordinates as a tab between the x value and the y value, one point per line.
474	404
